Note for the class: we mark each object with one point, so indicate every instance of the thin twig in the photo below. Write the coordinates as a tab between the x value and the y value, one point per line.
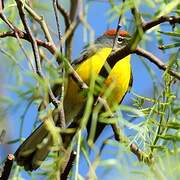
52	50
17	33
41	21
7	167
22	118
69	166
113	58
132	45
116	56
1	5
4	18
65	15
118	27
69	31
14	60
120	137
61	110
2	136
155	60
57	23
23	35
73	9
31	37
71	24
78	154
171	19
138	34
73	18
137	16
33	41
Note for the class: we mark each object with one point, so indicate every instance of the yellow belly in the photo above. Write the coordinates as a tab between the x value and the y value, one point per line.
118	80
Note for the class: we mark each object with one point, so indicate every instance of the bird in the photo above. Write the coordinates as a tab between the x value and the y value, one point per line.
89	64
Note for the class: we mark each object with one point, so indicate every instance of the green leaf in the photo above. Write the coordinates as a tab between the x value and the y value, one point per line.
6	100
173	125
168	8
170	137
169	46
176	34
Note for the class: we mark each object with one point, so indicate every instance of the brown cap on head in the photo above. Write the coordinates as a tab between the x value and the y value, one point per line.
112	32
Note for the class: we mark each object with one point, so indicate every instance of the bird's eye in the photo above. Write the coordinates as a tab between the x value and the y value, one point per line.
120	39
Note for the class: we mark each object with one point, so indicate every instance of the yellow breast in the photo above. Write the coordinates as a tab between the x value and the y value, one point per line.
118	81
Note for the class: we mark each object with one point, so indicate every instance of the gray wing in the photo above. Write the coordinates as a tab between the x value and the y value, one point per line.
85	54
90	50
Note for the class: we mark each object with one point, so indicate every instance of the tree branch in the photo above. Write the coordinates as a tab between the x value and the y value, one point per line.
7	167
73	18
120	137
41	22
1	5
131	47
65	15
69	166
114	57
31	37
16	34
171	19
33	42
2	136
57	23
155	60
62	122
25	36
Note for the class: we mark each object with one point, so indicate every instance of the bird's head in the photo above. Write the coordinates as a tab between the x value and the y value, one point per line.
108	38
105	41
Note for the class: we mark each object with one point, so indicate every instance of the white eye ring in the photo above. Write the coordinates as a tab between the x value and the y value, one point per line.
120	39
